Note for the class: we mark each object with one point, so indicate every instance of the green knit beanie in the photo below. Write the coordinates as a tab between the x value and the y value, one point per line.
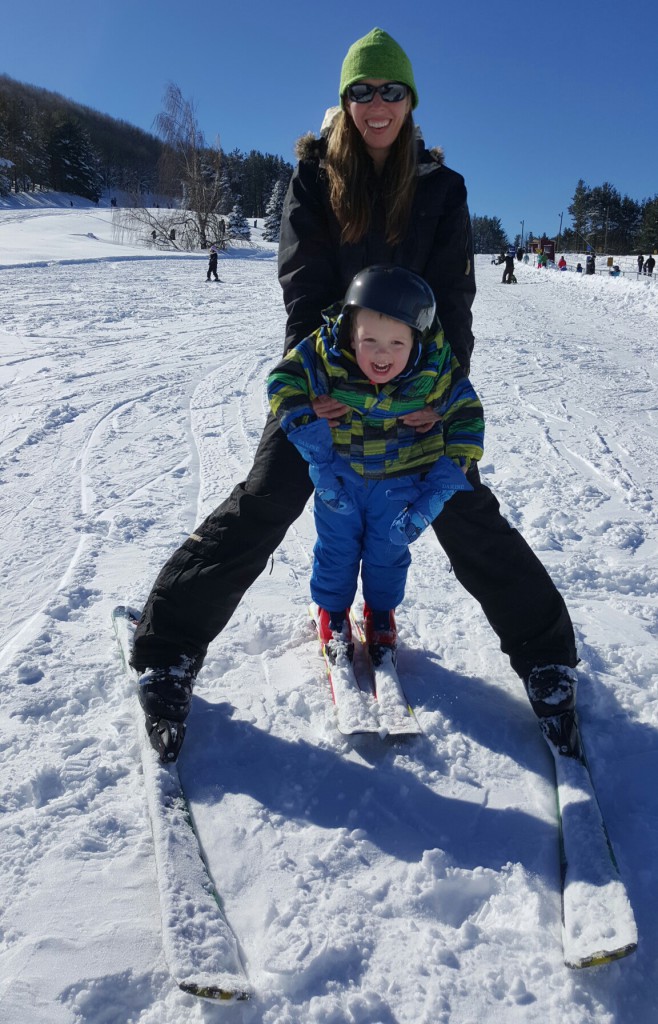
377	55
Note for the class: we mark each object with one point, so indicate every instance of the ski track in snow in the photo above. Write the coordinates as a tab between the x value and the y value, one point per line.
368	882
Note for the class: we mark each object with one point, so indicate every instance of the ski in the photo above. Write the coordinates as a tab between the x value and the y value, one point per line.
380	706
200	948
395	715
598	924
355	713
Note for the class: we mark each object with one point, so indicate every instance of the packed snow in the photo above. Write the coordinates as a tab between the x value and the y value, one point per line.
367	881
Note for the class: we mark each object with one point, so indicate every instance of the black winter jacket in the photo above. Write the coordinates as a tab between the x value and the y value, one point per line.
315	268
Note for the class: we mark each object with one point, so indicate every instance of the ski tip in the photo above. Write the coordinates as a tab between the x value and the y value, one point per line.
216	993
603	957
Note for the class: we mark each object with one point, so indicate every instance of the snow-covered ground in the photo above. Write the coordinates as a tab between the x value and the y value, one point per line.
368	882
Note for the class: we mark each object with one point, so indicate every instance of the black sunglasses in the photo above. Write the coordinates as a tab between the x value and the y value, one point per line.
390	92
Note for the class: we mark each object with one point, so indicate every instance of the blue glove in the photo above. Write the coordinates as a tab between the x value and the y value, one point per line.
424	499
326	468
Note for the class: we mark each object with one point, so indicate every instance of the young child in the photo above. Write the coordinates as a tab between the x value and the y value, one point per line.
379	482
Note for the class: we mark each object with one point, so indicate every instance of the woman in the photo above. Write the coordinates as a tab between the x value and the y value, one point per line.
367	192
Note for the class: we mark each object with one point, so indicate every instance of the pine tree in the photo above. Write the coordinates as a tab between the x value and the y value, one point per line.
579	210
253	176
74	166
226	199
5	179
237	227
488	235
630	221
5	163
604	203
274	212
648	236
21	142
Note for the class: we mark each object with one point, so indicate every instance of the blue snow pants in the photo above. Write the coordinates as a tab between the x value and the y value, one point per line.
360	538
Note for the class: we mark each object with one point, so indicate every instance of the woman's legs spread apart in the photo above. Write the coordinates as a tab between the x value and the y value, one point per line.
200	586
495	564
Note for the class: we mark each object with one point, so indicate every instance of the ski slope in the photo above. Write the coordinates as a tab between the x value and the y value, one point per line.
368	882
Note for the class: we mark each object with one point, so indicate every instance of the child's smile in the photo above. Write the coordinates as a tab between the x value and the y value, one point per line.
382	346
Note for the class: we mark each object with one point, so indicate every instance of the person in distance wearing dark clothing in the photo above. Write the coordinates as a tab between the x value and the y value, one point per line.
212	264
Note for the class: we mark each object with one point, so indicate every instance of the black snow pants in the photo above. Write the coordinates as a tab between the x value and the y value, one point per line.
200	586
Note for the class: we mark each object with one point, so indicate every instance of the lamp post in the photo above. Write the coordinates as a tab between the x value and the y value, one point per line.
560	231
522	226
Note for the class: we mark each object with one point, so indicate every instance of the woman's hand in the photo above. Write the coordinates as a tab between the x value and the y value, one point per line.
423	420
327	408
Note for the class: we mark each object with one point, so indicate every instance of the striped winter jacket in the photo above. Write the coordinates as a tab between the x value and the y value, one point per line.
372	437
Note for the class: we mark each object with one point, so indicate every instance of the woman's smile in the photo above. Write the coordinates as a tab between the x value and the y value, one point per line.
379	123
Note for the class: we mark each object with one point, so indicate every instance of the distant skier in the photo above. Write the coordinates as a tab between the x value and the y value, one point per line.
649	264
590	263
508	273
562	263
379	482
212	263
640	263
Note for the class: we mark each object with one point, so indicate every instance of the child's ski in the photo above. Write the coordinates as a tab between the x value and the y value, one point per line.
598	924
200	948
394	713
354	708
384	711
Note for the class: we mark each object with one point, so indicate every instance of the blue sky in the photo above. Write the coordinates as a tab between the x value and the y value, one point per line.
525	98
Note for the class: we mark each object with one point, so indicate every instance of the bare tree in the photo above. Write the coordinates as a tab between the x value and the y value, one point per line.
191	174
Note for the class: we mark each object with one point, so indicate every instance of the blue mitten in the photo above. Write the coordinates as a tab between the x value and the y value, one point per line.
315	444
425	499
329	488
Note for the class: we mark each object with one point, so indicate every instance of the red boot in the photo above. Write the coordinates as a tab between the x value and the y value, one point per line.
380	628
335	628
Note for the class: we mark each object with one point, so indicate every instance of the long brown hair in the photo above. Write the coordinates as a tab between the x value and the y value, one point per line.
350	186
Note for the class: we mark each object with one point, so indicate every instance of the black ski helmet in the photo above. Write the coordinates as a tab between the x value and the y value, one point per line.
394	292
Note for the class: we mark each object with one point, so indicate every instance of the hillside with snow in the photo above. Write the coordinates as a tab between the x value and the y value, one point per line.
367	881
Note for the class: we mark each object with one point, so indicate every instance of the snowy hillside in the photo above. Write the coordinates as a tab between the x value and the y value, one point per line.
368	882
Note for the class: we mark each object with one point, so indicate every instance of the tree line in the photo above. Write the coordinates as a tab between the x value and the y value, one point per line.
609	222
603	220
50	142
